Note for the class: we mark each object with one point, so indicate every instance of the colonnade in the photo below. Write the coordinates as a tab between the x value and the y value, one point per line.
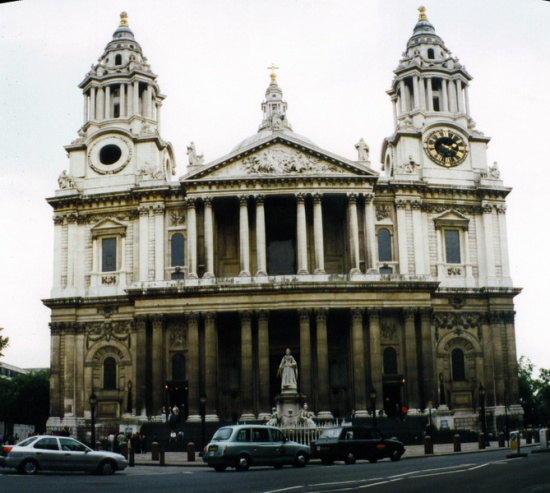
303	245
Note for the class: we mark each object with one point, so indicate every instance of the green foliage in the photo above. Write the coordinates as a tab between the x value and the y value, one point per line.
4	342
534	393
25	399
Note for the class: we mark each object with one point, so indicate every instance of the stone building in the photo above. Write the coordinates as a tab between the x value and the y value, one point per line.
188	291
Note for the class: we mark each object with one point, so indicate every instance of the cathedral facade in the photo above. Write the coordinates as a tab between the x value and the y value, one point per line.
391	288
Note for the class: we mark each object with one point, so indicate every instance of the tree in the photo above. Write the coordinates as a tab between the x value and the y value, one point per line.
25	399
534	393
4	342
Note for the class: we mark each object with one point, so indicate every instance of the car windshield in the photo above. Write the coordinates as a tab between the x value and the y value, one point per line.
331	433
222	434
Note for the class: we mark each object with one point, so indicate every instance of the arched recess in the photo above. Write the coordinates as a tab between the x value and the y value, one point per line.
459	393
110	400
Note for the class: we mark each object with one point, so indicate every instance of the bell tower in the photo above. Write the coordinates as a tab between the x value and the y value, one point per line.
119	145
435	139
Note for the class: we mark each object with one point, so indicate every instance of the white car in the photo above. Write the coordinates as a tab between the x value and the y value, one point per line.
53	453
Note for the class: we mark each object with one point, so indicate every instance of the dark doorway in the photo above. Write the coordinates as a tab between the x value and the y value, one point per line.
281	237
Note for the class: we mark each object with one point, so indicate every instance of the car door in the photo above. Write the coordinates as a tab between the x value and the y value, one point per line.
75	457
262	448
280	453
46	452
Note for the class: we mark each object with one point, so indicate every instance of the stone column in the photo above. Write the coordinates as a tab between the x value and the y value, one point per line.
136	98
211	366
402	97
401	212
247	367
100	103
430	94
69	384
370	221
244	243
140	366
420	249
193	359
192	238
358	361
209	237
467	100
304	378
301	233
318	234
411	358
92	114
376	367
511	364
322	365
56	399
143	243
423	104
489	242
158	377
444	95
459	96
260	237
416	90
263	364
122	104
159	242
503	230
354	234
428	362
107	103
72	249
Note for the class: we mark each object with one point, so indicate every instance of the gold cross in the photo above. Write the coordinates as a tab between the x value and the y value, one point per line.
273	75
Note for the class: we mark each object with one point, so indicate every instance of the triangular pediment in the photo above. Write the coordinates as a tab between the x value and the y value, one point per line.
279	157
108	227
451	218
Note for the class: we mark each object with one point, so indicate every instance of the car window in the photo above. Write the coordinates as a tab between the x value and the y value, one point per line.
277	436
222	434
331	433
46	444
26	442
260	435
348	435
72	445
243	435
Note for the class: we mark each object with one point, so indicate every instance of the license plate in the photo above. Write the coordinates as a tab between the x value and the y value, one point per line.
213	448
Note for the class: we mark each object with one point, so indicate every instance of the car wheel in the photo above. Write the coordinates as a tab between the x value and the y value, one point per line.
373	460
219	468
350	457
28	467
242	463
395	456
327	462
107	468
300	460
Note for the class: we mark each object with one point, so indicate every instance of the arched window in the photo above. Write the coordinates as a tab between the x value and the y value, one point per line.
177	248
431	53
390	361
178	367
118	60
457	364
109	373
384	245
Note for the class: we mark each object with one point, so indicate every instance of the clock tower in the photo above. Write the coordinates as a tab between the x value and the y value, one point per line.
435	138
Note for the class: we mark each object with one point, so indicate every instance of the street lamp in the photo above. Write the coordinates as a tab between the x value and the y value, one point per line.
129	400
202	401
93	404
481	391
372	395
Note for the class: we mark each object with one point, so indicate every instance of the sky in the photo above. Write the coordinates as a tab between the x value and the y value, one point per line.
336	60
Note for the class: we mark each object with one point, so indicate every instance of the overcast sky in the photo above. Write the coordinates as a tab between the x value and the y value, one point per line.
336	60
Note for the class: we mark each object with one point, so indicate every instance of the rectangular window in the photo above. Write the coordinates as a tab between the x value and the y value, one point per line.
108	255
452	246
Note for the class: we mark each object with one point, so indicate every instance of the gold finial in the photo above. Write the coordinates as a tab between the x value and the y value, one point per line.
123	19
273	75
422	16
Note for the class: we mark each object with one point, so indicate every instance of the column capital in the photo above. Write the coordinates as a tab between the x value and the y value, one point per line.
304	314
352	198
208	200
317	197
300	198
369	197
246	316
243	200
321	314
374	313
263	315
409	312
191	202
357	314
260	198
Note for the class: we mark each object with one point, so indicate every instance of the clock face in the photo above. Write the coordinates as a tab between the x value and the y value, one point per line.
446	148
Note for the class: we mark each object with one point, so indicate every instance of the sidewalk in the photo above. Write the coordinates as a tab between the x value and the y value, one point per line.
181	459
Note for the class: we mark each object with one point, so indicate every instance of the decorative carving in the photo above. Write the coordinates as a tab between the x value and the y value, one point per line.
108	280
382	212
150	172
177	218
194	158
388	330
362	151
107	331
453	321
283	161
177	337
65	180
454	271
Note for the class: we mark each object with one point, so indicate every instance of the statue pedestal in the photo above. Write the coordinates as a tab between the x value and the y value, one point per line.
288	408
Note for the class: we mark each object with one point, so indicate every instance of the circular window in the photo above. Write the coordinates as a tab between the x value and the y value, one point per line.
109	154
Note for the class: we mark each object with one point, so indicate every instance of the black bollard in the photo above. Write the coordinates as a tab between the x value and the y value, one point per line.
132	458
428	445
191	452
457	447
161	457
155	451
501	442
481	441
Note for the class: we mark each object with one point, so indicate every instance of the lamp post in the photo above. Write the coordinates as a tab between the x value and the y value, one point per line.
481	391
129	402
372	395
93	404
202	401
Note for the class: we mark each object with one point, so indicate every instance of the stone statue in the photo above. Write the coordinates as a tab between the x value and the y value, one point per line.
275	418
194	158
288	371
306	417
362	150
65	180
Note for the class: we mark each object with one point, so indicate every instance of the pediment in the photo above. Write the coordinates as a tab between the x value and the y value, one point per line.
108	227
277	158
451	218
